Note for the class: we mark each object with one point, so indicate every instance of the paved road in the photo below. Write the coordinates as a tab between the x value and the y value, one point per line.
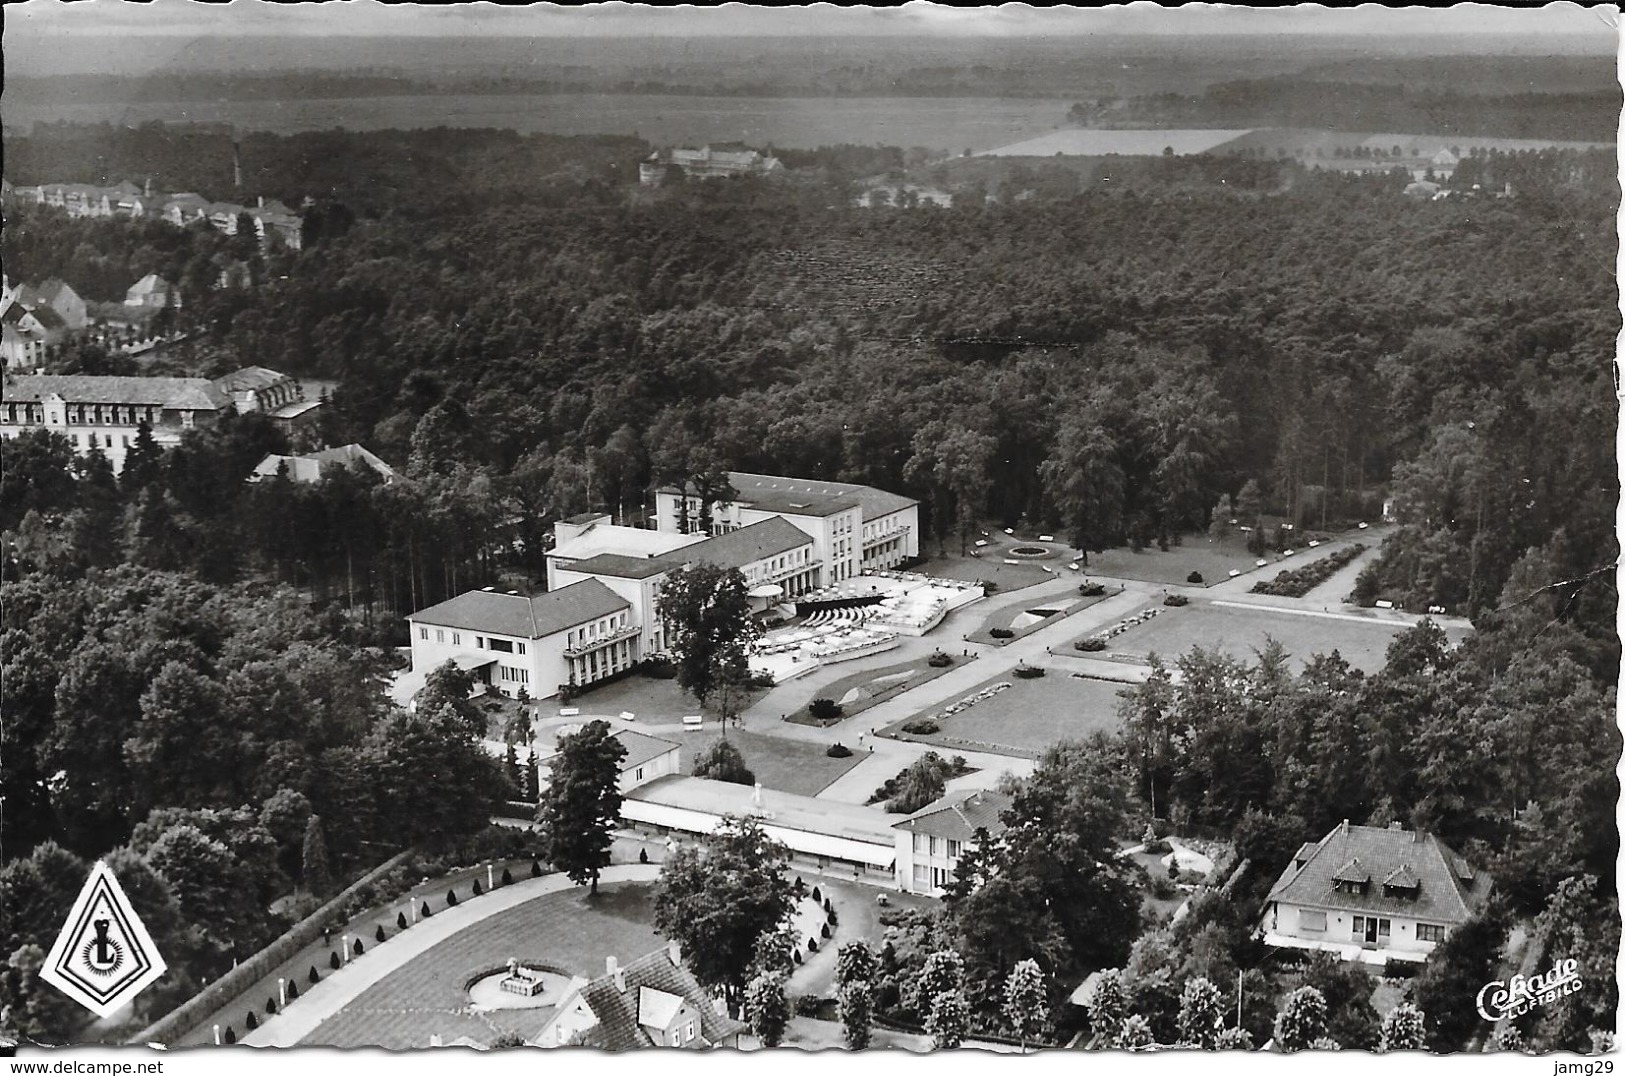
333	993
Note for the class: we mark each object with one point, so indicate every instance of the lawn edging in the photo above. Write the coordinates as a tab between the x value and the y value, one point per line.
1002	617
925	674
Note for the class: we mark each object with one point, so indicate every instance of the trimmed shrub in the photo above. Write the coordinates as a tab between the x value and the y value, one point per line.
643	855
400	920
824	709
824	931
1027	672
658	669
829	905
1297	582
923	727
535	869
507	876
837	750
1194	577
293	989
252	1022
230	1035
798	956
1090	645
760	679
334	961
359	948
1176	600
1162	887
270	1006
1091	590
478	889
379	935
451	898
939	660
808	1005
427	911
812	945
832	918
1002	633
314	976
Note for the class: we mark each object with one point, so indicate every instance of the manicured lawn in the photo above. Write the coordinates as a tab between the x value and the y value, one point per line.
650	699
988	568
787	765
427	996
1241	632
1199	553
1063	606
858	692
1026	717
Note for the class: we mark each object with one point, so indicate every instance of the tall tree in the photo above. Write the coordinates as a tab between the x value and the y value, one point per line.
1201	1014
947	1020
1301	1021
315	871
857	1009
1404	1028
1026	1002
720	896
709	628
766	1008
582	804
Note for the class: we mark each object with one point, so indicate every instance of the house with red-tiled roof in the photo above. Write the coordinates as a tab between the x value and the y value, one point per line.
651	1001
1373	894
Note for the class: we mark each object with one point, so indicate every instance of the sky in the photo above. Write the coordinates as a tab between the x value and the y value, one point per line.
47	19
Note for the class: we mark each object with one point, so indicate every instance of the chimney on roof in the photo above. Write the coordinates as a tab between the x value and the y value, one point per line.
612	968
1345	825
675	951
146	190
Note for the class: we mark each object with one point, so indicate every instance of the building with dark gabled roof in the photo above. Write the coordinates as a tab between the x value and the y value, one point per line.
931	841
854	528
651	1001
1372	894
538	644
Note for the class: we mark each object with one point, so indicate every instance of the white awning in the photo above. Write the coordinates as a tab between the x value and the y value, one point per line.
468	661
767	590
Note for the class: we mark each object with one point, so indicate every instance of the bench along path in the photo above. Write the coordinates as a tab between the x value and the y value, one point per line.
327	997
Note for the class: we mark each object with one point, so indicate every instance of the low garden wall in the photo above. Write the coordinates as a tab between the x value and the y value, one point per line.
230	986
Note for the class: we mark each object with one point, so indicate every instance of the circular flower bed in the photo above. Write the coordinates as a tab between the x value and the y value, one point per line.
1029	551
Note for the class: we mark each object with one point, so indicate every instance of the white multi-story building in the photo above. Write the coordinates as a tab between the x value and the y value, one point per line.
574	636
931	841
854	528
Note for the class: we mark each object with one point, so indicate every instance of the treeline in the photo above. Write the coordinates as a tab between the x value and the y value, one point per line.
1297	101
229	755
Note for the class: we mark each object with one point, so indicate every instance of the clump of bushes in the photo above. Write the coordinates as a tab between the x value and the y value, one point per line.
923	727
1162	887
824	709
1297	582
1002	633
1089	645
837	750
760	679
1194	577
1091	590
1027	672
658	669
808	1004
1176	600
939	660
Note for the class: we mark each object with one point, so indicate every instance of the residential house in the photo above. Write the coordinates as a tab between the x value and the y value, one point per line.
26	332
310	467
255	389
60	298
576	635
647	758
152	292
651	1001
931	841
1372	894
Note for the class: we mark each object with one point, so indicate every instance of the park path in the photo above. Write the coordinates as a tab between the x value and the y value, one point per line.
328	997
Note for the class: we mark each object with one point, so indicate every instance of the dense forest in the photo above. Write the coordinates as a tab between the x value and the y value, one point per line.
1110	362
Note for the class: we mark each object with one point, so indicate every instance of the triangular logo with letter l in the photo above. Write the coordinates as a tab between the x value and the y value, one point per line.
104	956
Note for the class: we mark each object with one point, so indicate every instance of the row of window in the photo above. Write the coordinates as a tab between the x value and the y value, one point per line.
86	414
925	844
605	626
511	675
596	664
1363	926
505	646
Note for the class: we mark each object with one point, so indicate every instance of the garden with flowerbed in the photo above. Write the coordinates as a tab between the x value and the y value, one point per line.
856	693
1020	619
1296	582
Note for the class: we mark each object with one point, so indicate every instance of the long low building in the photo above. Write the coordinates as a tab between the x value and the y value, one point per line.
834	838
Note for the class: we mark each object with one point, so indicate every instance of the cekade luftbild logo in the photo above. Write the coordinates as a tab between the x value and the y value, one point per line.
1518	995
104	956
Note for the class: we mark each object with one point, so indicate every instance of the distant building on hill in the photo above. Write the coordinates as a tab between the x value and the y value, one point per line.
310	467
104	413
151	292
707	162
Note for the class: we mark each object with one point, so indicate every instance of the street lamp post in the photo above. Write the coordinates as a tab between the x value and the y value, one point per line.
282	992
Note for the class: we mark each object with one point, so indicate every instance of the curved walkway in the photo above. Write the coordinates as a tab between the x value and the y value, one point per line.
327	997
